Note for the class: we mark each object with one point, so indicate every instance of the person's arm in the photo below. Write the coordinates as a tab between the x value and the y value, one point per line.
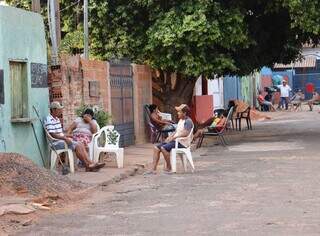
71	128
93	126
158	120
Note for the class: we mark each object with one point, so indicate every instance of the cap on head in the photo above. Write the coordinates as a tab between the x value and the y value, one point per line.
183	107
55	105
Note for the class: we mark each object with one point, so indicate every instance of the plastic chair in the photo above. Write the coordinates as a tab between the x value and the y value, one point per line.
184	153
107	146
55	152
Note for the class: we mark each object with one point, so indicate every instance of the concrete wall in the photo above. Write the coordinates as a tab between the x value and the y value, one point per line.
22	38
142	91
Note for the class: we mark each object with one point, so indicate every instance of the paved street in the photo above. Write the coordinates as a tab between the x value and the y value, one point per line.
265	183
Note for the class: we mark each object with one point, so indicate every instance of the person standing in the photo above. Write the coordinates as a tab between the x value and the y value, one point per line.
284	94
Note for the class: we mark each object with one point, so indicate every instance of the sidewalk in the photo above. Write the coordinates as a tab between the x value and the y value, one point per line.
136	158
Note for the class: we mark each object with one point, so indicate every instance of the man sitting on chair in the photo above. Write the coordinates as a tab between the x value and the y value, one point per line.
184	128
54	127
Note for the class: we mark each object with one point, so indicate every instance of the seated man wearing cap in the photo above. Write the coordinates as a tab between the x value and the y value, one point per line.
54	127
184	128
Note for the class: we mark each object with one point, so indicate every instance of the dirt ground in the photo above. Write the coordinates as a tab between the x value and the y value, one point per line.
264	183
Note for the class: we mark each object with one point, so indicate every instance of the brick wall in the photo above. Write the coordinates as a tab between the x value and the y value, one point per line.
79	82
142	89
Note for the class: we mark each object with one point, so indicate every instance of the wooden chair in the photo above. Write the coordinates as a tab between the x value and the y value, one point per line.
244	115
219	134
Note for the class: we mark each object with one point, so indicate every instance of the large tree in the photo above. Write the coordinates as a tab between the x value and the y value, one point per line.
197	37
202	37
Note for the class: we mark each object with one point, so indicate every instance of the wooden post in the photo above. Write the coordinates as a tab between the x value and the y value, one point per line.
36	6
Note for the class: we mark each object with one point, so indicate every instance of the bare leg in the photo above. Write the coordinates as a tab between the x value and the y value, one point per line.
156	158
310	103
166	156
82	155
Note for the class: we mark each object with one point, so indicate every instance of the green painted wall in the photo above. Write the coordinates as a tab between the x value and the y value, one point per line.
22	38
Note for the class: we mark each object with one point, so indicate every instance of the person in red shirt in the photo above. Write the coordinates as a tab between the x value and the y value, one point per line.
263	102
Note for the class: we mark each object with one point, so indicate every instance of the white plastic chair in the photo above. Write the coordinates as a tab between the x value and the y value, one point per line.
184	153
108	147
55	152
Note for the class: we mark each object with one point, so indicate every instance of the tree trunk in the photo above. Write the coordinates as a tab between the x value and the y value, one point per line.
173	90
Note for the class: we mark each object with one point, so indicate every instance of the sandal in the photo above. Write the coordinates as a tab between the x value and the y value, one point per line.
95	167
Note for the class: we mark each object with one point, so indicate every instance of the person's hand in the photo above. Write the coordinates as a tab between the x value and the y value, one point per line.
169	139
68	140
87	118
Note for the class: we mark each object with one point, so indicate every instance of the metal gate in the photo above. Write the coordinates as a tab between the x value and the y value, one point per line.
121	83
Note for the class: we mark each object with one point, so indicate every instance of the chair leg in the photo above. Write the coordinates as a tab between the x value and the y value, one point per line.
250	123
158	137
248	126
96	155
232	123
199	141
173	160
221	141
224	140
189	158
119	157
240	124
71	160
53	159
184	162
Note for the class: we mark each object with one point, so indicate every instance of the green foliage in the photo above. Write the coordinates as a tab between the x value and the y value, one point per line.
25	4
193	37
103	118
72	43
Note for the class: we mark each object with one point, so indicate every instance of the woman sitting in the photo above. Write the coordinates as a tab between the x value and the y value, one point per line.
157	120
84	127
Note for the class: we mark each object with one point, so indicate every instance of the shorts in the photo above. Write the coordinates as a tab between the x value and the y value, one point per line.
58	145
169	146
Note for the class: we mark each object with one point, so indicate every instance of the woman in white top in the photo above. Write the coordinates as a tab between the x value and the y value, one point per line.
84	127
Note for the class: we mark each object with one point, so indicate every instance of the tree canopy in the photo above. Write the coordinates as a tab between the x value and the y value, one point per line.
196	36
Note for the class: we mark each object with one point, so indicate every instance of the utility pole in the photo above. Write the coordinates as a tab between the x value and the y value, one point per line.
36	6
53	32
58	26
86	30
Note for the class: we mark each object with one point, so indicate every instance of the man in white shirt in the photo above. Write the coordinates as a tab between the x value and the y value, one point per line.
183	130
54	127
284	94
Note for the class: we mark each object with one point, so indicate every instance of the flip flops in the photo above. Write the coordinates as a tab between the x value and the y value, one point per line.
96	167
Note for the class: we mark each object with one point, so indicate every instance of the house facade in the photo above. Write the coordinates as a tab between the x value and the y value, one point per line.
23	83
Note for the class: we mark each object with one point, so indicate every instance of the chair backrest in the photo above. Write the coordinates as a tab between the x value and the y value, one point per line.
112	137
147	113
189	137
229	117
